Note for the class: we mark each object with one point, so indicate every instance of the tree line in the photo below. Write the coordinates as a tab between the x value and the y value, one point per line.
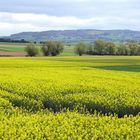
102	47
99	47
13	41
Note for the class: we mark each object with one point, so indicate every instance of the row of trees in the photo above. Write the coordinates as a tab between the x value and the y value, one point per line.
49	48
13	40
101	47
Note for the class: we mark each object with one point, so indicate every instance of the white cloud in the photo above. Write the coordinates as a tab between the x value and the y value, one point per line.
38	15
19	22
78	8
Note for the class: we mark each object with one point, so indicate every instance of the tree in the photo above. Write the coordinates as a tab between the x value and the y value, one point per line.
58	48
138	50
110	48
99	46
133	47
80	48
52	48
31	49
90	49
122	49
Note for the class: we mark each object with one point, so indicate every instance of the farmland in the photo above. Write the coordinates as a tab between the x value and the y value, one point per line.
12	47
70	97
18	49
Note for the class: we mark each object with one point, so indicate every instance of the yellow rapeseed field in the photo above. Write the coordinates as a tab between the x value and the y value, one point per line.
71	98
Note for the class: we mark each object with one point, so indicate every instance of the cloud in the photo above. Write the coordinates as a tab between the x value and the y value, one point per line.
19	22
39	15
78	8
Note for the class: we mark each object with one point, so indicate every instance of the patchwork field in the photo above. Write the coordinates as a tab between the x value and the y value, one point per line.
70	98
18	49
12	47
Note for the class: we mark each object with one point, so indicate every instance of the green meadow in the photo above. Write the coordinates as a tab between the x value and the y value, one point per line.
20	48
12	47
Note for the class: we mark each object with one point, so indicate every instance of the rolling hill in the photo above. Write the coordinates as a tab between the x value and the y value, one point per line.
72	36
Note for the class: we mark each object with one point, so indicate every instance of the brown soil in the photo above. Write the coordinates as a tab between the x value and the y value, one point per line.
12	54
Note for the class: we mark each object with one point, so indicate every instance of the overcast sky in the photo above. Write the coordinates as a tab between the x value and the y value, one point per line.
39	15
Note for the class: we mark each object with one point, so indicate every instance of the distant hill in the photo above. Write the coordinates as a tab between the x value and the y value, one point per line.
73	36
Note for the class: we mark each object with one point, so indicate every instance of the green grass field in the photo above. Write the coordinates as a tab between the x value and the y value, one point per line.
12	47
20	47
70	98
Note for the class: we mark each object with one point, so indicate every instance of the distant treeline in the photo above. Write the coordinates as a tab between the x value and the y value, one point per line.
102	47
13	41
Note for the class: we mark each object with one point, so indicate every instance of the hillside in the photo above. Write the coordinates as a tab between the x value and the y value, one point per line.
72	36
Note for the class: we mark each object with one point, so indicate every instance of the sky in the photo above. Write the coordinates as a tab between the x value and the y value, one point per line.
41	15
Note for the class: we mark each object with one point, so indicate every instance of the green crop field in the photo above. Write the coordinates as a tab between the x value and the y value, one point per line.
68	51
70	97
12	47
20	48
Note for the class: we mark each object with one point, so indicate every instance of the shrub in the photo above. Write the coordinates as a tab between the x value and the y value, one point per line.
80	49
52	48
31	50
